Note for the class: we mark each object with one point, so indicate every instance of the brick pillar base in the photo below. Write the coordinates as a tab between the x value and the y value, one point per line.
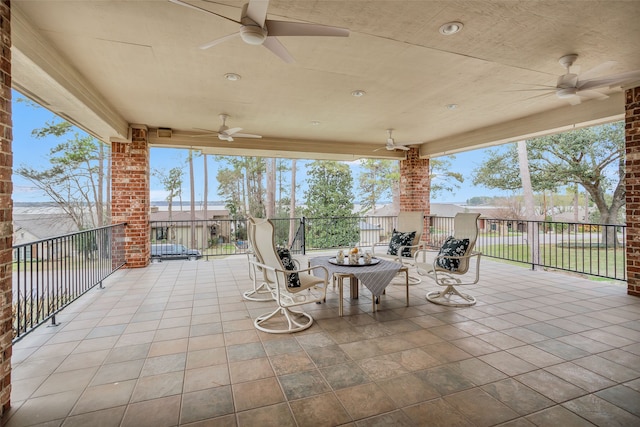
632	184
6	208
130	196
415	185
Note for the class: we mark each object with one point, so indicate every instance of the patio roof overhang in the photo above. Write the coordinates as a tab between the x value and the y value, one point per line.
107	65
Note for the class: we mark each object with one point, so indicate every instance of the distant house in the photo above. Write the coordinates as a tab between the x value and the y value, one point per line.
217	227
30	229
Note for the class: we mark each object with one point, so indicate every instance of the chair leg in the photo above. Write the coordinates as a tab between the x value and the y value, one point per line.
444	297
259	293
289	314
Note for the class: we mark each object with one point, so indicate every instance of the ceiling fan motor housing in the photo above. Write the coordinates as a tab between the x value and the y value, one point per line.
253	34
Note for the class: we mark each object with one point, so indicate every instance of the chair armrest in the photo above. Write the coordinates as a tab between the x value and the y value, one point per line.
402	248
375	245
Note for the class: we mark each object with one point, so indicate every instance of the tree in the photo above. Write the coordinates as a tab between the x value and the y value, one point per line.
75	179
442	179
292	206
330	195
230	187
172	183
270	207
376	181
245	173
592	158
192	197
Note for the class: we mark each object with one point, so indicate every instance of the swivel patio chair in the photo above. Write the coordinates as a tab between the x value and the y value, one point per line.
289	287
455	263
261	290
405	241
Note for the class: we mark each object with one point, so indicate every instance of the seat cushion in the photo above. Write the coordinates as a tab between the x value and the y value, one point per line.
452	247
398	239
288	264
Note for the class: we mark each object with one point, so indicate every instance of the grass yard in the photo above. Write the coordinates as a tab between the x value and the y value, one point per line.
589	260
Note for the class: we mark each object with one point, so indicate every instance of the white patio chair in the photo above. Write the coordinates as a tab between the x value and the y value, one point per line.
261	290
454	264
403	245
310	289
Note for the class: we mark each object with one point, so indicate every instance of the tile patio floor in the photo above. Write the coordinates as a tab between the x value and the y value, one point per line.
174	344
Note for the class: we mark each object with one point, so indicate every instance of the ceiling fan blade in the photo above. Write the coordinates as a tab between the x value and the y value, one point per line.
613	80
218	41
207	133
401	147
257	11
246	135
592	94
380	148
597	70
200	9
285	28
204	135
232	131
274	45
549	93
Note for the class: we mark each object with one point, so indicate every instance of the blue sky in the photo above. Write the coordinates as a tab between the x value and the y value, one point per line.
33	152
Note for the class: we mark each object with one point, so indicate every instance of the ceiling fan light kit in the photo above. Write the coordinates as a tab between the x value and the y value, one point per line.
253	35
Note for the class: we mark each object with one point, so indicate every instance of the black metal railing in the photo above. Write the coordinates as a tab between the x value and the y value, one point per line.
591	249
586	248
49	274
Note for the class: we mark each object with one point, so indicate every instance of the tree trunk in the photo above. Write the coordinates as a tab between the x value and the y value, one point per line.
292	205
99	201
192	196
576	217
270	208
532	224
109	186
205	226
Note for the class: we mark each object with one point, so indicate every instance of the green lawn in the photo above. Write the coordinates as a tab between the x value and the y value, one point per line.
592	261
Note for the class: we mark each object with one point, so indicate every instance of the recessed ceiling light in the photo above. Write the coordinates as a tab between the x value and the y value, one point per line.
315	122
232	77
451	28
358	93
451	106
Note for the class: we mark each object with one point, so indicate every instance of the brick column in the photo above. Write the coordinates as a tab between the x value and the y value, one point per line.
415	185
632	184
130	196
6	208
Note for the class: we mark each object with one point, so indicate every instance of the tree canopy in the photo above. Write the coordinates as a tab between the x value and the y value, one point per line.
330	195
591	157
76	176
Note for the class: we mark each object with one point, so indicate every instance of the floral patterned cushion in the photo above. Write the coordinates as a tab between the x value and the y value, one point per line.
398	239
452	247
288	264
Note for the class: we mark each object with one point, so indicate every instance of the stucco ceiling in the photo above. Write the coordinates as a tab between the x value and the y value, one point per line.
106	65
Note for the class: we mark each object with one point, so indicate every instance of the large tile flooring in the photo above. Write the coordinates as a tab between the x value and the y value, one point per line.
174	344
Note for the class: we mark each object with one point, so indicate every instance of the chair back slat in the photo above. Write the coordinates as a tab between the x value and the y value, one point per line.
264	244
409	221
465	226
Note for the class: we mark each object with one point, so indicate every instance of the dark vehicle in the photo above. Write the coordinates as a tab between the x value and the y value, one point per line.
172	251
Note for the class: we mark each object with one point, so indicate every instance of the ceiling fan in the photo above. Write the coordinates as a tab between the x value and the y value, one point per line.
255	29
572	87
391	144
225	133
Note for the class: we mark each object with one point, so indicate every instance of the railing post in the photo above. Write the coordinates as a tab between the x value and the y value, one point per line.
304	241
53	321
